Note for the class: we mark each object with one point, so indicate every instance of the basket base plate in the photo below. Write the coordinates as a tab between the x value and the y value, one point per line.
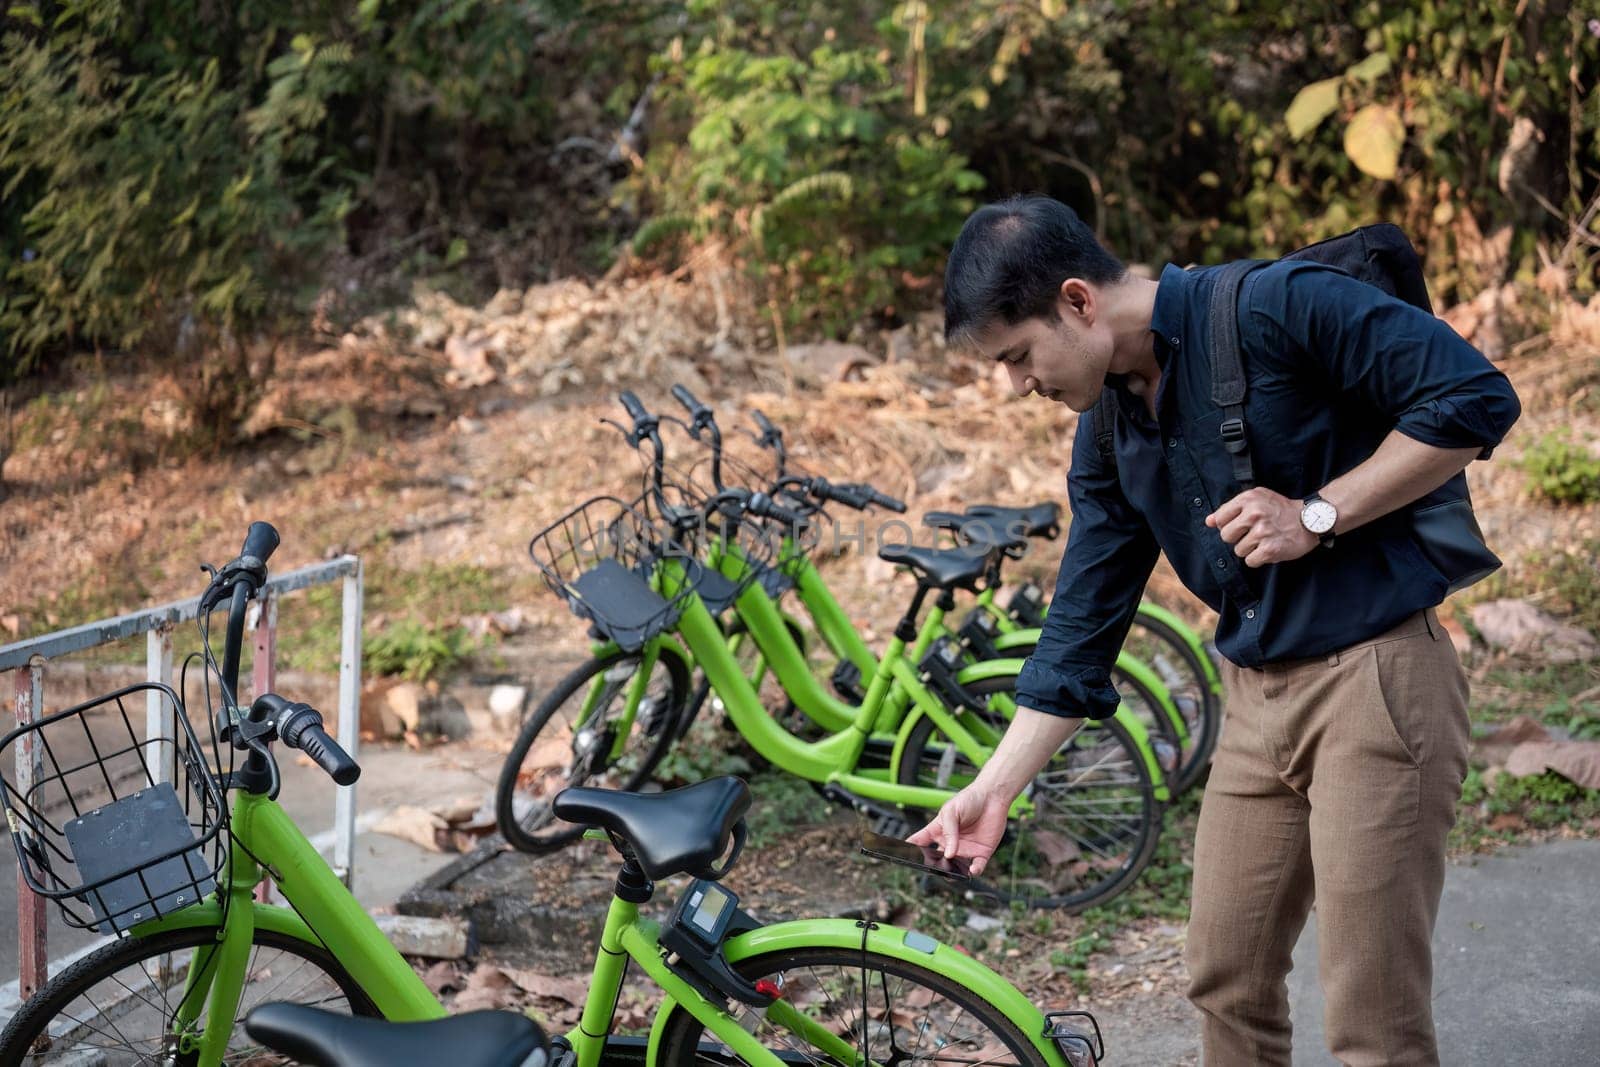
111	840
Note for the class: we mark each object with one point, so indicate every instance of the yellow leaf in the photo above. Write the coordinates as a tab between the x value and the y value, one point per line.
1373	140
1311	105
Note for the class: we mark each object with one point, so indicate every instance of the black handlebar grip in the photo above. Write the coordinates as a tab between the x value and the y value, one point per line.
762	422
300	726
329	755
631	405
261	541
682	395
764	506
884	500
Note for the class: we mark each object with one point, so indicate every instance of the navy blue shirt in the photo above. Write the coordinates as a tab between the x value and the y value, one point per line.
1332	365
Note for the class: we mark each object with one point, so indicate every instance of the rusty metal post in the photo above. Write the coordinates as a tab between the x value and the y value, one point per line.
264	677
32	909
264	666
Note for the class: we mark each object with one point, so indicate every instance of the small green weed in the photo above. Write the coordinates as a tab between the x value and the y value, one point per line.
1563	470
416	650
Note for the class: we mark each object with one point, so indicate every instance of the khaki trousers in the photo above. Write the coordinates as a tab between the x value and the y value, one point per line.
1336	780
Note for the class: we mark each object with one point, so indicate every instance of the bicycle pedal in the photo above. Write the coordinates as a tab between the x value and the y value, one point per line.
890	826
847	682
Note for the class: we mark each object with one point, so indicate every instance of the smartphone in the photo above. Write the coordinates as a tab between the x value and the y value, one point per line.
919	857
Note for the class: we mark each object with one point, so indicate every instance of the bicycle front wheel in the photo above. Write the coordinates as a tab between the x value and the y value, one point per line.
116	1007
1095	821
571	739
887	1011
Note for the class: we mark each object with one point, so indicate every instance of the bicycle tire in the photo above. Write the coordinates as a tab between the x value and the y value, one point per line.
1121	777
523	830
1200	706
684	1042
1192	698
113	1010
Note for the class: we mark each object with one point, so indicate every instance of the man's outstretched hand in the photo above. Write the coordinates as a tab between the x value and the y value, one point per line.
969	825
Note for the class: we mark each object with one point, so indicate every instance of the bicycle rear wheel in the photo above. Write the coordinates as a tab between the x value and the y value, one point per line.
889	1011
1096	818
1189	684
115	1007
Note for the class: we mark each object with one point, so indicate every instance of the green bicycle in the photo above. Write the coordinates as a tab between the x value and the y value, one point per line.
132	835
1083	832
173	874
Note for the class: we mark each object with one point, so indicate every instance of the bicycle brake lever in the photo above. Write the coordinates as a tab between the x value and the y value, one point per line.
627	434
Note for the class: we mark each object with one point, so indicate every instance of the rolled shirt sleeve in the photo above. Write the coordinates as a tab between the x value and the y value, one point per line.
1401	359
1109	556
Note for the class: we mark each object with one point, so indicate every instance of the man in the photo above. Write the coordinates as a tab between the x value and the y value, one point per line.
1346	743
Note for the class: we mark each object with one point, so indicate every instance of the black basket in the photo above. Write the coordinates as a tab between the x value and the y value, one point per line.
122	825
601	557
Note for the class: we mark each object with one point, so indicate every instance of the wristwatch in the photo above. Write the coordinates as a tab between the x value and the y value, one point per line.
1318	516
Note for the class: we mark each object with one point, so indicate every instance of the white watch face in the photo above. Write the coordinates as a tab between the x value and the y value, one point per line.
1318	516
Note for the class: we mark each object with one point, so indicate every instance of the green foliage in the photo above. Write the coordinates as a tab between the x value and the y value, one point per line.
183	177
186	178
1563	470
416	650
799	149
150	192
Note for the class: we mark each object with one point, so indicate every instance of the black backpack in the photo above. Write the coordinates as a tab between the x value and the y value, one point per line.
1381	256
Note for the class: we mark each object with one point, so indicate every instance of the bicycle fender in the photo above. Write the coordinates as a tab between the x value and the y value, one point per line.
897	943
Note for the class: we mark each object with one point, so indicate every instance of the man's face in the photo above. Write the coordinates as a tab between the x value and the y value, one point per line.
1062	359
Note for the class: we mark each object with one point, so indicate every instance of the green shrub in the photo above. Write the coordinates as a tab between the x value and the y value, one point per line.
1563	470
416	650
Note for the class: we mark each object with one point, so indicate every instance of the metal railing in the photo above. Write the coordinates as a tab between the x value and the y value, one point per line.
29	658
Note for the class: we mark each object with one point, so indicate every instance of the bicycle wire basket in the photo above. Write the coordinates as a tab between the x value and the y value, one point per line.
122	825
686	493
603	558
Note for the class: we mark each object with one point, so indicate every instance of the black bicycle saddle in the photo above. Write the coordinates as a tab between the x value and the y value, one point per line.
944	568
1038	520
680	831
319	1038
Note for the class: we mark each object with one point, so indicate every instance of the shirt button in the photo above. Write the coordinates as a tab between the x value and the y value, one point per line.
1249	613
1198	502
1174	341
1221	562
1172	442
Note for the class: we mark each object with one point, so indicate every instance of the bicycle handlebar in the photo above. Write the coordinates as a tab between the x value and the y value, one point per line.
697	411
259	543
631	405
300	726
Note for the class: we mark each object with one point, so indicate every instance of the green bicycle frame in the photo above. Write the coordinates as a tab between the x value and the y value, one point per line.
321	913
780	653
895	699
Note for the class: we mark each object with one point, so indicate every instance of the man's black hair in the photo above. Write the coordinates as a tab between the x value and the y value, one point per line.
1010	260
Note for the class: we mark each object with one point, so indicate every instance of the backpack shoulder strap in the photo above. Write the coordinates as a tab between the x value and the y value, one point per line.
1227	366
1105	424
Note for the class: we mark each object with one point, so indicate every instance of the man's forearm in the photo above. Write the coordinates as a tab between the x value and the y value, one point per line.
1029	742
1400	471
